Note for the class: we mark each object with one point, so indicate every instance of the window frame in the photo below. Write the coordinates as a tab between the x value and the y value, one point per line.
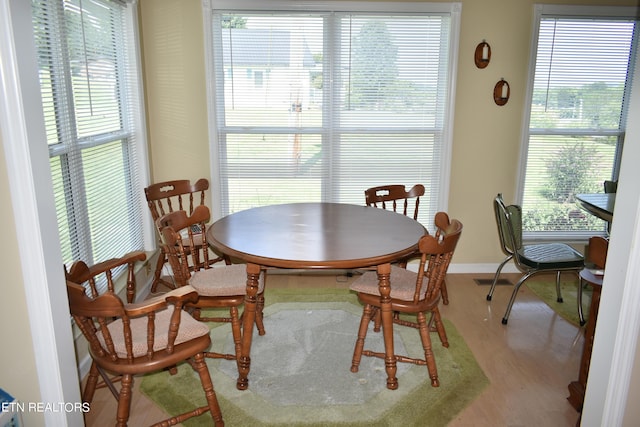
452	9
131	139
568	11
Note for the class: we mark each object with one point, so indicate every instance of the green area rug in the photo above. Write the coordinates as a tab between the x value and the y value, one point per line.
300	372
545	289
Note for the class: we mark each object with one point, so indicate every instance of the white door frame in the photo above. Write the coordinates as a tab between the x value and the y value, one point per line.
27	158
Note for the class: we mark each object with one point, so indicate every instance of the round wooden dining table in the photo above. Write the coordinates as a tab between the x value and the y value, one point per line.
316	236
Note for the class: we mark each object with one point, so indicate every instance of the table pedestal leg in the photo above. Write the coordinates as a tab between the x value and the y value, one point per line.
248	320
384	272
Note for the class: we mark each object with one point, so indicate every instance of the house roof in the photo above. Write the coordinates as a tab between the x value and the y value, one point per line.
260	47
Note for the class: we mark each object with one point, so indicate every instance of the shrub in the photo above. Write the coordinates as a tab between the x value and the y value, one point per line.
570	172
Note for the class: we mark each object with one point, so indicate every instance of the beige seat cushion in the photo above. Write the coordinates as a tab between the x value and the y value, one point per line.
403	284
228	280
197	238
189	329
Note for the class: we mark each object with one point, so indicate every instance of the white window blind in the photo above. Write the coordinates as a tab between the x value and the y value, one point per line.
577	116
88	78
318	105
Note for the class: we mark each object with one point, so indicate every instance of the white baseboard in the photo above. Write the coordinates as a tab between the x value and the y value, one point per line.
413	266
142	292
481	268
472	268
83	366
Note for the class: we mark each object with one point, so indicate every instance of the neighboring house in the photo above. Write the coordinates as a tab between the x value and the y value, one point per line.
267	68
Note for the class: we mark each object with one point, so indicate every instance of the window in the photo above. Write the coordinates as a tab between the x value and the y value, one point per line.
346	100
578	95
259	79
87	67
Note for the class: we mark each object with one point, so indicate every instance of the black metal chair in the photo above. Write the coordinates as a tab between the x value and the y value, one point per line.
610	187
530	259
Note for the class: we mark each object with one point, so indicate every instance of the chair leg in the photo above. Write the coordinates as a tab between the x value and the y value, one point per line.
497	275
162	258
428	350
558	291
362	334
92	381
376	315
505	319
259	314
157	275
439	327
377	318
108	382
236	332
124	401
580	313
207	385
260	304
444	293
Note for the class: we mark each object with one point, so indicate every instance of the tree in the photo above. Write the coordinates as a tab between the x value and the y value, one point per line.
570	172
602	105
233	21
374	69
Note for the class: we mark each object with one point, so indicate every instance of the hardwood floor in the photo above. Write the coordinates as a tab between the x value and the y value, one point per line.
529	362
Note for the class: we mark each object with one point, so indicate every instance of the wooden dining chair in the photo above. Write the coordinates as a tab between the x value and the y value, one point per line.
529	259
104	274
416	294
596	260
99	279
395	198
222	286
169	196
135	339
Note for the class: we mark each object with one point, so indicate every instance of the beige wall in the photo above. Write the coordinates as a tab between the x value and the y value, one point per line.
17	362
178	135
173	59
486	137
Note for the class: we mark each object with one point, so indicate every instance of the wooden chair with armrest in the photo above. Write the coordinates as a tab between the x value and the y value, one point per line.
412	293
135	339
221	286
169	196
103	274
99	279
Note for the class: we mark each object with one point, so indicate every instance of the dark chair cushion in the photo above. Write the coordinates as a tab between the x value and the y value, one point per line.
550	256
